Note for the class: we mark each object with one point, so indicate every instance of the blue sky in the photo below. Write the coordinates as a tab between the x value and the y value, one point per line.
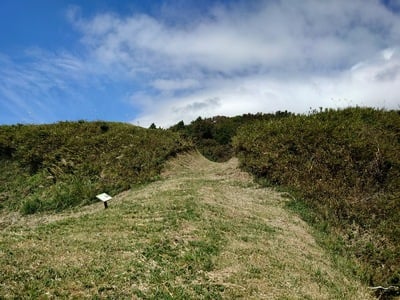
166	61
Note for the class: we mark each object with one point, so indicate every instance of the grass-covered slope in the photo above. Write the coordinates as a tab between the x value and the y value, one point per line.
345	165
51	167
204	231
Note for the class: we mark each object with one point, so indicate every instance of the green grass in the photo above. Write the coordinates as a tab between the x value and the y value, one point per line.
344	166
130	250
56	166
202	232
206	231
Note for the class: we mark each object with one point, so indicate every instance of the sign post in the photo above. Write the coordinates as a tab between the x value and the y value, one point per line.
104	197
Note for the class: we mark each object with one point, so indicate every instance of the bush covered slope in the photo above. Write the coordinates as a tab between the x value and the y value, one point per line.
213	136
51	167
345	165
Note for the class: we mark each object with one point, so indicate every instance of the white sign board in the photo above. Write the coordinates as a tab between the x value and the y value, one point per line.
104	197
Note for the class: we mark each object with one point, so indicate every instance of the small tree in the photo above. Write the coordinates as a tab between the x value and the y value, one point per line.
180	126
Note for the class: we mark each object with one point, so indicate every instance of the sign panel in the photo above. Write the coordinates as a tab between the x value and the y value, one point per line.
104	197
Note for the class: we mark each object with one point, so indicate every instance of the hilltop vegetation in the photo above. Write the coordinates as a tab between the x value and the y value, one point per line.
52	167
213	136
344	165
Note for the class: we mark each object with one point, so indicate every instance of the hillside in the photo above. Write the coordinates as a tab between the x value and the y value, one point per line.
342	168
204	231
213	136
56	166
339	169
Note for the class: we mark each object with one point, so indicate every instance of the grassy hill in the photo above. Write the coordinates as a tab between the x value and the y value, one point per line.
204	231
343	167
52	167
340	170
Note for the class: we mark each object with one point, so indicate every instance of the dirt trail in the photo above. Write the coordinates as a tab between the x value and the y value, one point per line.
267	253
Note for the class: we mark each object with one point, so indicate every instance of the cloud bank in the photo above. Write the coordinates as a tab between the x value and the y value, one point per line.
257	56
238	58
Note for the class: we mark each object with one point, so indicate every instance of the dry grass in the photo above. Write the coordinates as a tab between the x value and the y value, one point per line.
205	231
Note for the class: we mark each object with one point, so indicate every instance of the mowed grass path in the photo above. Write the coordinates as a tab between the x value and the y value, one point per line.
205	231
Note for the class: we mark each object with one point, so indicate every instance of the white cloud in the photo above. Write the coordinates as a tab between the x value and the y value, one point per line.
31	91
273	35
169	85
373	82
245	56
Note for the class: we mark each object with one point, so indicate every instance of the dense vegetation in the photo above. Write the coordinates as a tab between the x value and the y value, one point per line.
345	165
213	136
51	167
